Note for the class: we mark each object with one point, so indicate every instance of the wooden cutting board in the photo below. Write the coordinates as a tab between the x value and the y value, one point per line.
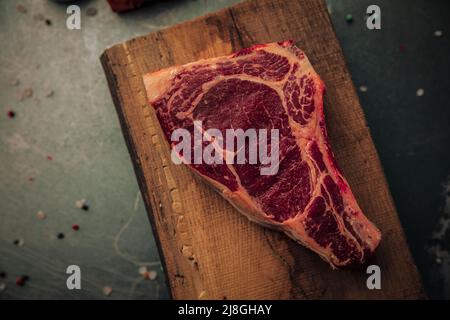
208	249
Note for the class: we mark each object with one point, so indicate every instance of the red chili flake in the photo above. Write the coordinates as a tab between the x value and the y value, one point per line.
20	281
402	47
11	114
31	179
75	227
49	158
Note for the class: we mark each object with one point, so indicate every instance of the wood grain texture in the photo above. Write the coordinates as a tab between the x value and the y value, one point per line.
209	249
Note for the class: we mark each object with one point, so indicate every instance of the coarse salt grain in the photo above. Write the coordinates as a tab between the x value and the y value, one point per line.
142	270
41	215
438	33
80	203
420	92
107	290
152	275
2	286
363	88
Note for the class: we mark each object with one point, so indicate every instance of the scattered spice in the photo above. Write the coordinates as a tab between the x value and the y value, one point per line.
27	93
438	33
363	88
402	47
31	179
81	204
21	8
39	17
2	274
142	270
107	290
21	280
151	275
420	92
49	157
60	235
349	18
91	12
14	82
41	215
75	227
19	242
49	93
48	22
11	114
148	275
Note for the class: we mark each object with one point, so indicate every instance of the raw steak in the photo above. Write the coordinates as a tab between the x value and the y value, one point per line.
270	86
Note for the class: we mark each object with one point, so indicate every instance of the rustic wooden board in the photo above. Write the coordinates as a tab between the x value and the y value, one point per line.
209	250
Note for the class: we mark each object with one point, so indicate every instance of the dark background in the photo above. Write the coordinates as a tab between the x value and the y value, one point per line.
78	127
411	134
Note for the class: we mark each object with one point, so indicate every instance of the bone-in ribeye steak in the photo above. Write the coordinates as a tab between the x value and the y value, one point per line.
266	87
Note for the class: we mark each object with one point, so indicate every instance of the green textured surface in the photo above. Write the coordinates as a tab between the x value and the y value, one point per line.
78	126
